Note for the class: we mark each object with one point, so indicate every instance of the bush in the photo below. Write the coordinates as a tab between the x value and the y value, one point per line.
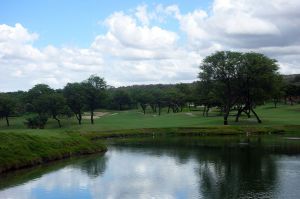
36	122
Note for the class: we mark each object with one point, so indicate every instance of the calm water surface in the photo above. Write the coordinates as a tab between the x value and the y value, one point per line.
170	168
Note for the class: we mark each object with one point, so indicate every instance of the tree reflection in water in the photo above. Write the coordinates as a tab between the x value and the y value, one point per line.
236	173
94	167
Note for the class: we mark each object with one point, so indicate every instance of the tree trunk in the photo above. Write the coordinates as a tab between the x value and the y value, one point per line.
7	121
291	101
225	119
79	119
159	109
275	103
285	100
169	106
92	117
226	114
173	108
153	107
78	116
144	108
247	112
204	110
239	114
258	120
58	121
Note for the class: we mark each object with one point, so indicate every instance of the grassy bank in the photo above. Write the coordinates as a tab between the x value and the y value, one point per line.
21	147
19	150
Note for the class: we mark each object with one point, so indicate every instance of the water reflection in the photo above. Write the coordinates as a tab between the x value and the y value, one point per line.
237	174
94	167
160	169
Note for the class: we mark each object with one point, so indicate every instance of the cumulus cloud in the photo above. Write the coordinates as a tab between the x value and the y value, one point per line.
270	27
24	65
138	47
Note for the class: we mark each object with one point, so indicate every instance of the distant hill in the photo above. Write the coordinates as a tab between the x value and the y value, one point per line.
292	79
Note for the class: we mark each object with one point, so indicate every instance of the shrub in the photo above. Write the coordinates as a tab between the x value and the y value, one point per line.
36	122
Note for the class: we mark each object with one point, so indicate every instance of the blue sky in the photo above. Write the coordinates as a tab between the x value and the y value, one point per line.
75	22
137	42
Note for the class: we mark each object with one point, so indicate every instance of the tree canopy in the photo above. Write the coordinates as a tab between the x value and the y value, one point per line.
239	80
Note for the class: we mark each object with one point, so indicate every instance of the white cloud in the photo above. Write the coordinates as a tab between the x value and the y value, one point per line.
123	28
137	49
16	34
142	14
271	27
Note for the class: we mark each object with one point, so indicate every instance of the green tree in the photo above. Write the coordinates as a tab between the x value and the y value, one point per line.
94	93
239	80
121	98
34	98
7	106
54	105
258	81
221	69
74	94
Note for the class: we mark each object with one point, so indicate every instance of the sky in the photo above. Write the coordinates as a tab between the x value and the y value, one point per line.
137	42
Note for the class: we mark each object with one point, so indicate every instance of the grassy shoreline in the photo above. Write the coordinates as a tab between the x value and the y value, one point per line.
21	147
21	150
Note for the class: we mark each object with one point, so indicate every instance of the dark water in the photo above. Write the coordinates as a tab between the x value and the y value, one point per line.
169	168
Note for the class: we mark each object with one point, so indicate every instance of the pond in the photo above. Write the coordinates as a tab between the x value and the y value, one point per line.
183	167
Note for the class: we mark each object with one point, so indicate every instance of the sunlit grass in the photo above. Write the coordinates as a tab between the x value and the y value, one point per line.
135	119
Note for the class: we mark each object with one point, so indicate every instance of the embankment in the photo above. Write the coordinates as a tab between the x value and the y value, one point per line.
19	150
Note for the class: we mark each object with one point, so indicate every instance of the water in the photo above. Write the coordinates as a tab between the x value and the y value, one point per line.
168	168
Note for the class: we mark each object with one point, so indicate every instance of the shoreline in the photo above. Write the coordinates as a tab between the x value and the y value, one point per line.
37	149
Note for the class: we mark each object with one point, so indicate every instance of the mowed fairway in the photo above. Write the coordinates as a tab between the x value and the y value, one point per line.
134	119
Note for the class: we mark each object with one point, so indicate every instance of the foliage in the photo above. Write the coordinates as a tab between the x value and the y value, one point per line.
120	98
7	106
74	95
38	121
239	80
94	93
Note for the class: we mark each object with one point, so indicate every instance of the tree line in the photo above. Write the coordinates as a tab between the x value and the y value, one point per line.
229	81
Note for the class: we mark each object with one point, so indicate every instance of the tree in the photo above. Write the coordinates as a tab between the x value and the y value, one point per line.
290	93
34	98
207	97
277	93
143	98
239	80
94	93
7	106
121	98
74	94
220	69
55	105
258	81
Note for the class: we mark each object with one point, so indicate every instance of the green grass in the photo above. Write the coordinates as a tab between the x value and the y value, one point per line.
134	119
20	146
18	150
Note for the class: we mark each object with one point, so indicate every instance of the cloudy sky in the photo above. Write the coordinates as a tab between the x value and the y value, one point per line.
137	42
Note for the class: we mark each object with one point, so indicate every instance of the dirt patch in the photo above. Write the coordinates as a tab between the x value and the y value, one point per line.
190	114
114	114
87	116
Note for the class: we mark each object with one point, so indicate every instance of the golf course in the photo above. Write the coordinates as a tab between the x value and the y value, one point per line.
23	147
